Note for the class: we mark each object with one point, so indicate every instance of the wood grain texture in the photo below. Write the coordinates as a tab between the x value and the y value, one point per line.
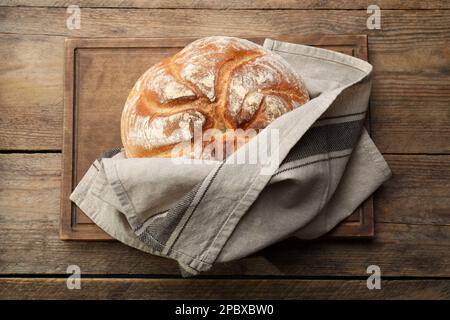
403	27
411	240
31	90
410	56
418	193
235	4
54	288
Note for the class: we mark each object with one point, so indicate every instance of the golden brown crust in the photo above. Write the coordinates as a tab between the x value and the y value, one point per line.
214	83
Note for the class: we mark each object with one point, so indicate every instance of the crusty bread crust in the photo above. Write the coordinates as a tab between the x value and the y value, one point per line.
213	83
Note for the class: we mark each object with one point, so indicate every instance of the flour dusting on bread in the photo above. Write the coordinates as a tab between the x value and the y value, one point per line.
165	85
152	133
213	83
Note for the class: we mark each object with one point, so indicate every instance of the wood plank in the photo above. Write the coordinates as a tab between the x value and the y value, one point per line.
31	92
236	4
260	289
29	222
403	27
411	127
411	75
418	193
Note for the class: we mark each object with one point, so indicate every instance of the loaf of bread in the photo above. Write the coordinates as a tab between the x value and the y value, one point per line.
220	83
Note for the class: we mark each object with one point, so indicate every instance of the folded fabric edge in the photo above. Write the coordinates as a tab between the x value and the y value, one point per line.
318	53
84	198
377	157
366	144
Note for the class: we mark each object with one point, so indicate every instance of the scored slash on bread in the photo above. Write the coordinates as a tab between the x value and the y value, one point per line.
221	83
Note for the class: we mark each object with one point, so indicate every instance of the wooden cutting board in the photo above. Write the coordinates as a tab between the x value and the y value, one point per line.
99	73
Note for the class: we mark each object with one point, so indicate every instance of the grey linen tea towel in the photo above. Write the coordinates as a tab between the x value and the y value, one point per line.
319	166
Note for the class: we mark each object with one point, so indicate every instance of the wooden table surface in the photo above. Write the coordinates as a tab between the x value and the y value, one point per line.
410	121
